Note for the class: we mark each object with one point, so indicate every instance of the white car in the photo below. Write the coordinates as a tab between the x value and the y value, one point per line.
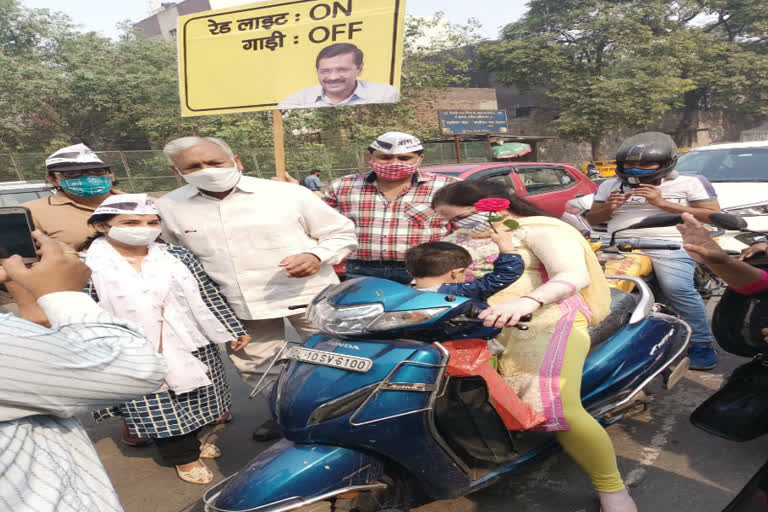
739	174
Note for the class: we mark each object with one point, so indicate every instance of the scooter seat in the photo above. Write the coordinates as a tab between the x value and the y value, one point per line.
622	305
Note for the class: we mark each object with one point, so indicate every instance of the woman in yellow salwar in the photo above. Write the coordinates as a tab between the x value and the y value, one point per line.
564	287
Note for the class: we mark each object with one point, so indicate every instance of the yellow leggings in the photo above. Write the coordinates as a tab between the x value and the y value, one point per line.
586	442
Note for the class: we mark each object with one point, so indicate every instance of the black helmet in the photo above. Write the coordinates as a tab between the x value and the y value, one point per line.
737	322
655	147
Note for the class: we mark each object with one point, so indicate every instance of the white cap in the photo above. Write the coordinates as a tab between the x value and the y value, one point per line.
395	143
75	158
130	204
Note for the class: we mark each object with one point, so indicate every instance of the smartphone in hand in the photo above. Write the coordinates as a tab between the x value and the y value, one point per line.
16	228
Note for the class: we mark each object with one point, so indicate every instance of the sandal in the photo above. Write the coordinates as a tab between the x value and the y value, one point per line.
198	475
209	451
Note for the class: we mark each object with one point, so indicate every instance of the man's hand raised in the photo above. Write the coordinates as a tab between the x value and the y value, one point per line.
59	270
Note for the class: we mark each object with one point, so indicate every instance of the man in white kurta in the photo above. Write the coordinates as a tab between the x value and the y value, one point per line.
267	244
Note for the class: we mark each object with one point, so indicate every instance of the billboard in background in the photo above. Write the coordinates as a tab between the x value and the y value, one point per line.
461	122
290	54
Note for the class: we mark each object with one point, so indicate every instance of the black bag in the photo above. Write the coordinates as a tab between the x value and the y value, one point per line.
737	322
739	411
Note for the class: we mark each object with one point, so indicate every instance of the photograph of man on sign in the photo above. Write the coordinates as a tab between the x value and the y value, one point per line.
338	68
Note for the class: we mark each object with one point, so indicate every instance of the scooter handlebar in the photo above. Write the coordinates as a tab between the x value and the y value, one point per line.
629	246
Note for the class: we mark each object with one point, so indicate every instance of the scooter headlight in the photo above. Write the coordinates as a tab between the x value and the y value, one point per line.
749	210
397	319
344	320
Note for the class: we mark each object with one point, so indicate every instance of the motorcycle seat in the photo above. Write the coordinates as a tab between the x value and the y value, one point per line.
622	305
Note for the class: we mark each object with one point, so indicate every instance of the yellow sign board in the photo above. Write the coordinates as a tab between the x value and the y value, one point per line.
290	54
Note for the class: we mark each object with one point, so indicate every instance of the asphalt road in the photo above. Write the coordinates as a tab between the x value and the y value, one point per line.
669	464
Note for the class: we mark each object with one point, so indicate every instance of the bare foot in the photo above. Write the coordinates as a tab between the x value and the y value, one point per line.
617	502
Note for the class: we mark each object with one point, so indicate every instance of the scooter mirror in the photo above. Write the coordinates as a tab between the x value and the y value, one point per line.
727	221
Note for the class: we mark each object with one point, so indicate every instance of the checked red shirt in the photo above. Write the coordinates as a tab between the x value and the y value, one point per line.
385	230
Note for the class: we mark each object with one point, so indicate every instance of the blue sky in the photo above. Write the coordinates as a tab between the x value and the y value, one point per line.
103	15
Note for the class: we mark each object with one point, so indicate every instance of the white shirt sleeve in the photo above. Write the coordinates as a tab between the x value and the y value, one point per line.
605	189
335	234
88	359
701	190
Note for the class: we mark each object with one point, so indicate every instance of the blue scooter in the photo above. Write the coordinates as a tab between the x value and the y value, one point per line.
373	423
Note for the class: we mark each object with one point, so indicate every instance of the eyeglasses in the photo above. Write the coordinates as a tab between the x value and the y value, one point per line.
85	172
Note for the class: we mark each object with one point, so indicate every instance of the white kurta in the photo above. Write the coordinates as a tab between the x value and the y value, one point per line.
241	239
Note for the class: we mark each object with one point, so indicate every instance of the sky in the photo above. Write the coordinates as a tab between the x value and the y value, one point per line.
103	15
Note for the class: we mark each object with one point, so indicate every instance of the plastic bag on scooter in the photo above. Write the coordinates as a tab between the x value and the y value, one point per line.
472	358
739	410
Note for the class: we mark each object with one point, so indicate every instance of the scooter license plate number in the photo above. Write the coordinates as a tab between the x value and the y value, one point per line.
322	358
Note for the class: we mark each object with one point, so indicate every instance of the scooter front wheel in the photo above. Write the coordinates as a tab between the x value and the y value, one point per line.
396	497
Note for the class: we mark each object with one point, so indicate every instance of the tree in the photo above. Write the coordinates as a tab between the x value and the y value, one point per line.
611	64
602	62
59	86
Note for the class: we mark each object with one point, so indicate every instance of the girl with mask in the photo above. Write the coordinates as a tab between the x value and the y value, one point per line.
564	288
164	290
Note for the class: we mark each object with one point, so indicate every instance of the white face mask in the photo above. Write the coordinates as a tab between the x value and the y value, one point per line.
475	223
214	179
134	235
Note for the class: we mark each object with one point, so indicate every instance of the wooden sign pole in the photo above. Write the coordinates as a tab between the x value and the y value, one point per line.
279	142
458	148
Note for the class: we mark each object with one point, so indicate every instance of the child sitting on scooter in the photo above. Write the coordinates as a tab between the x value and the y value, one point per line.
441	267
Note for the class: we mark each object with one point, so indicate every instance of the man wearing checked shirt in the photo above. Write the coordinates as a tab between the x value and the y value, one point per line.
390	206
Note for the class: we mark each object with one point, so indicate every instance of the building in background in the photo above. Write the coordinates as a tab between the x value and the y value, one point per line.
162	24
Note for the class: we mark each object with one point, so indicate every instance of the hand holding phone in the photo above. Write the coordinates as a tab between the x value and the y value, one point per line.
16	228
57	271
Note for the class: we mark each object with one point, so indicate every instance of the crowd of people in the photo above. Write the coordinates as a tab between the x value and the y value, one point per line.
220	261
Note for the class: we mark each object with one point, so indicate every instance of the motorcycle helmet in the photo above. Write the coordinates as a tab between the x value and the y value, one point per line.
647	147
737	322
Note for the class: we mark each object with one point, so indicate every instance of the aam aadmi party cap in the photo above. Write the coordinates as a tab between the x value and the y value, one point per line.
132	204
74	158
395	143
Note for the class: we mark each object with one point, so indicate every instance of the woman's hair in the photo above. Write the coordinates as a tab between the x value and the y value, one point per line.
467	193
432	259
102	218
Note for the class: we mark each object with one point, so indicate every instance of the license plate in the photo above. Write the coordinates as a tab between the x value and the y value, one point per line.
323	358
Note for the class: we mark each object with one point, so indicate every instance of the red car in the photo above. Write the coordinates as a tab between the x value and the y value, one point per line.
548	186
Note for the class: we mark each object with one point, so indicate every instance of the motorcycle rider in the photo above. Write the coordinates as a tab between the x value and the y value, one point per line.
646	184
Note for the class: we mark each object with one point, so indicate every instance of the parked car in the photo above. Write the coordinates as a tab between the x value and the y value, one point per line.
548	186
739	173
13	193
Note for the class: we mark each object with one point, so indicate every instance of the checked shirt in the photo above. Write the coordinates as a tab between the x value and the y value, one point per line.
386	229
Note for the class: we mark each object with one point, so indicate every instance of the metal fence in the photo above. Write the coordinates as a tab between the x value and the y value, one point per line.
147	171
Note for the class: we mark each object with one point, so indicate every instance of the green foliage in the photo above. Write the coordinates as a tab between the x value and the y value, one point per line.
612	64
59	86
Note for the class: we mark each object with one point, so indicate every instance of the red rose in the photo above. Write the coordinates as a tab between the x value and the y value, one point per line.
492	204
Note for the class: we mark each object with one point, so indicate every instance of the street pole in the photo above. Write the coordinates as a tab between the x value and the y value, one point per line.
458	148
279	141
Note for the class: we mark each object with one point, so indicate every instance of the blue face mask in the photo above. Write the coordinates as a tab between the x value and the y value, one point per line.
634	171
88	186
